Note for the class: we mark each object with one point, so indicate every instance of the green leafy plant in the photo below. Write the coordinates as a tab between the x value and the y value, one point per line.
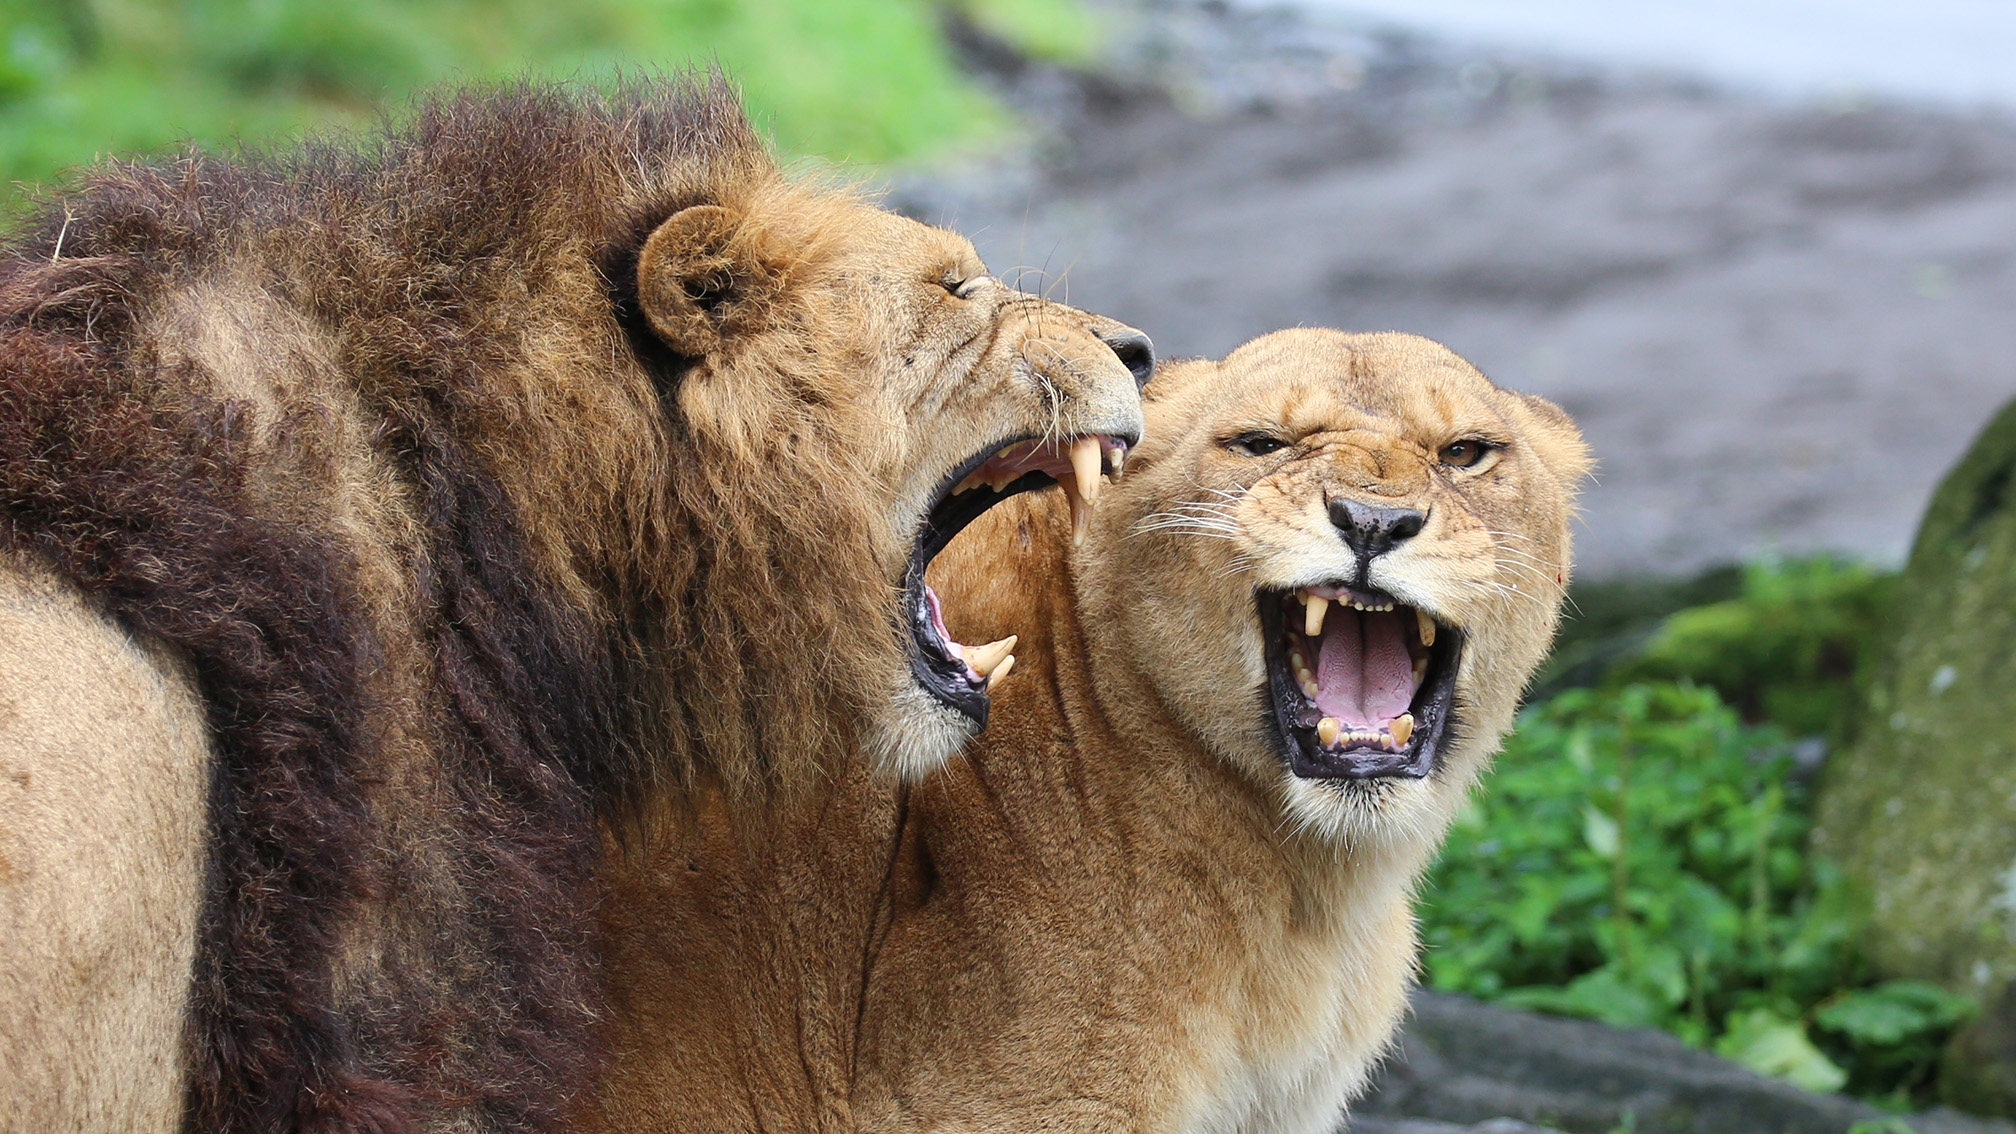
1782	649
1639	857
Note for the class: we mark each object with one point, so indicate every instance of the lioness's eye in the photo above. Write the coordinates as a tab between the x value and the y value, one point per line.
1463	454
1255	444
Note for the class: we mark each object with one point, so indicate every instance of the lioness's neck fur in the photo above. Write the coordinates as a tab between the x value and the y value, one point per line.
1113	928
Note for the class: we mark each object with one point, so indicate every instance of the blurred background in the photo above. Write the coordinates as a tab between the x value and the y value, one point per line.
1764	799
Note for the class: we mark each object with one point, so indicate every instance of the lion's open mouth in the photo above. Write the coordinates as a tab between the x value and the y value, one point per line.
960	675
1362	686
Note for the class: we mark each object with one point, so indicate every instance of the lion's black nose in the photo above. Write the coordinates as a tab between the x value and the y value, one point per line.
1372	531
1135	352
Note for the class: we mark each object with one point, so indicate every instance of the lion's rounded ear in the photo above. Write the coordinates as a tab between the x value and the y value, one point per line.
697	277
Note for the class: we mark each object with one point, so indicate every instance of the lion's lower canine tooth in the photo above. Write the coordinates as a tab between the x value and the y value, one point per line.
983	660
1402	728
1081	514
1327	730
1001	671
1427	626
1312	614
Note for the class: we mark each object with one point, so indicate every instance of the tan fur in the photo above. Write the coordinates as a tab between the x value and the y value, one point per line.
728	512
1119	912
102	768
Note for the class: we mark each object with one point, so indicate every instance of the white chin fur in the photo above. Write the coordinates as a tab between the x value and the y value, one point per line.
1371	814
915	734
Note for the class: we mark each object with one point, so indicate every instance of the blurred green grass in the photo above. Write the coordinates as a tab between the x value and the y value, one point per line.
849	81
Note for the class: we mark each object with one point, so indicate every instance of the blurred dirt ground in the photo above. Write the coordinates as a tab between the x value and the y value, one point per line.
1778	324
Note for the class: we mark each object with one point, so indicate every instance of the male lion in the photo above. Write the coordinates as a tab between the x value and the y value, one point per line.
380	525
1170	889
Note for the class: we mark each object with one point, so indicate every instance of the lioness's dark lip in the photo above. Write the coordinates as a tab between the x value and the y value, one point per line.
954	505
1433	706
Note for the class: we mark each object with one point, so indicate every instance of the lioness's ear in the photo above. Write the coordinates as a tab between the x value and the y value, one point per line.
1559	442
701	278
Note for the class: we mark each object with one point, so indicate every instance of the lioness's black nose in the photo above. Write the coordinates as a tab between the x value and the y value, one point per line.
1373	531
1135	352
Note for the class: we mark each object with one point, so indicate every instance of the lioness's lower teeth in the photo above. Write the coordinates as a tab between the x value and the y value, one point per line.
1001	671
1401	727
1327	731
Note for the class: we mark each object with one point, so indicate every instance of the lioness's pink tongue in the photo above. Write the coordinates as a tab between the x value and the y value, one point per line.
1364	676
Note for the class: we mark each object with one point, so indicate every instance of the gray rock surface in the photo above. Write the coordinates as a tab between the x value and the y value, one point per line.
1463	1066
1919	804
1778	324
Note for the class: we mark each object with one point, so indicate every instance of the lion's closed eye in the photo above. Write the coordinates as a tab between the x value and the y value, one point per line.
1255	444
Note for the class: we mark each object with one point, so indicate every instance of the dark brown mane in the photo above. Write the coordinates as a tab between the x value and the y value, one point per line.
416	726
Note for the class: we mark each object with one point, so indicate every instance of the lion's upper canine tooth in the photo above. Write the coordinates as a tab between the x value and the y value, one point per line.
1085	464
1327	731
1427	626
984	660
1312	614
1401	727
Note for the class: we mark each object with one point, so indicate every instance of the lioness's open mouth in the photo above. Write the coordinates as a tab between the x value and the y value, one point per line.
960	675
1361	685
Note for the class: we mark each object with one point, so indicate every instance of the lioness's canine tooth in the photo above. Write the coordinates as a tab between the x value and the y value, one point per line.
1001	671
1427	626
984	660
1327	730
1402	727
1312	614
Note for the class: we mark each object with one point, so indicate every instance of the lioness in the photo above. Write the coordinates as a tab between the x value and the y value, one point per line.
381	524
1169	889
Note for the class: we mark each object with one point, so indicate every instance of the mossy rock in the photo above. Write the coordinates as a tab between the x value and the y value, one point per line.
1919	804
